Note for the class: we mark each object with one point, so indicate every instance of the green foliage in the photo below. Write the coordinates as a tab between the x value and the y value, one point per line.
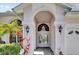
9	49
8	28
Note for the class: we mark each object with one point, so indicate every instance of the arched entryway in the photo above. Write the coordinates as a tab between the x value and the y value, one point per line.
44	21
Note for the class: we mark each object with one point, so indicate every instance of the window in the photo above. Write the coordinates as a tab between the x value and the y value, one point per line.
43	25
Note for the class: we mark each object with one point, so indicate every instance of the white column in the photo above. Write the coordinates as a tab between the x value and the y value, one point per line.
32	35
57	44
62	38
24	31
32	39
59	37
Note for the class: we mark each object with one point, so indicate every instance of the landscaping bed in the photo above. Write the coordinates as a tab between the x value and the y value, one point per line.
9	49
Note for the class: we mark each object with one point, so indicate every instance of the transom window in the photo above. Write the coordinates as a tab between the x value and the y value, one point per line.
43	25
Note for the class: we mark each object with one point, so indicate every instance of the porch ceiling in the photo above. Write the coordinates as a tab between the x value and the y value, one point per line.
43	16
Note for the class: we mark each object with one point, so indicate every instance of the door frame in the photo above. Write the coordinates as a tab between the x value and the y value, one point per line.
38	34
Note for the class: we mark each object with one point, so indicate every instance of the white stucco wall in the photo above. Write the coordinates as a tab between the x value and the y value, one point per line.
59	38
52	41
28	20
71	40
29	14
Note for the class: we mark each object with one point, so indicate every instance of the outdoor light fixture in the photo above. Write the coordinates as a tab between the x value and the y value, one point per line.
60	29
27	29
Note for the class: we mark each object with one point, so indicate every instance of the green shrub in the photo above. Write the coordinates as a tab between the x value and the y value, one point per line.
9	49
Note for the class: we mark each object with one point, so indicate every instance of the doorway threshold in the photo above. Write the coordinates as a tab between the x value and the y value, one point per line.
43	51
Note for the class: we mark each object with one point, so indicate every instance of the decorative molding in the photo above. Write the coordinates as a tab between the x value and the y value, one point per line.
70	32
77	32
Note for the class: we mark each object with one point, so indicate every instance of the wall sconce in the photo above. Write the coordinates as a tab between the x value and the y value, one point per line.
27	29
60	29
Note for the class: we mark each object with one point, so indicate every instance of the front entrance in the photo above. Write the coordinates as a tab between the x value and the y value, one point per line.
44	21
43	36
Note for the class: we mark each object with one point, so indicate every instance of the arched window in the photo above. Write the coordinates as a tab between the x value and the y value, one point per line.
45	26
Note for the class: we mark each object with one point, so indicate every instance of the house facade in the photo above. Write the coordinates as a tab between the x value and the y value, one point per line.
50	25
51	16
52	22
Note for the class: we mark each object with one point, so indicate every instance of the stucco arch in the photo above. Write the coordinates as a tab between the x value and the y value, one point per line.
44	8
45	25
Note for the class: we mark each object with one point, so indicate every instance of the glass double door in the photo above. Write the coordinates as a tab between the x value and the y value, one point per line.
42	39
